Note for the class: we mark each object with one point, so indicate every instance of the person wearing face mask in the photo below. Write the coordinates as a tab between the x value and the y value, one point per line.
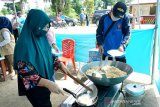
113	32
34	61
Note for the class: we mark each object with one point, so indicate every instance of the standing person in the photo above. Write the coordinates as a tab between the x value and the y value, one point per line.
15	26
116	24
58	18
52	39
7	44
62	16
87	20
82	18
34	62
21	20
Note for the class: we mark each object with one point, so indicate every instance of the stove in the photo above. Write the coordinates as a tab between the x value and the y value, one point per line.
107	96
76	105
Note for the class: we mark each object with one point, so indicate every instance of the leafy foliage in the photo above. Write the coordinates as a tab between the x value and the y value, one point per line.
70	8
4	11
59	5
104	3
64	6
8	7
77	6
89	6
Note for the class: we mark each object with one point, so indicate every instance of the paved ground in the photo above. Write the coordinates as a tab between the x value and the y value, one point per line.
9	93
151	98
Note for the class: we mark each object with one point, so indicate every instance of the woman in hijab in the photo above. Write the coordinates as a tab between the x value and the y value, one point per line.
7	43
34	62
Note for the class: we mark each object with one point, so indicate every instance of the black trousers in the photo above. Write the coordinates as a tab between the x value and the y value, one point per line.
122	59
39	97
16	34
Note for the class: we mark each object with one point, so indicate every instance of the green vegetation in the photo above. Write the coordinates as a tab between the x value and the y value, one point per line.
89	7
70	8
4	11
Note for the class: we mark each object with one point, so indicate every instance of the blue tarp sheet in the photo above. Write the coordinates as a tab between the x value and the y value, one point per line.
84	42
138	52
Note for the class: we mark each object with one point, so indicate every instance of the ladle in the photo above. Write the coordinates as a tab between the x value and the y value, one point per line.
99	73
77	80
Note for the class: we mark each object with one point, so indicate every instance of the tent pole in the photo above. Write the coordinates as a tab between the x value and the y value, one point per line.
14	7
139	15
155	45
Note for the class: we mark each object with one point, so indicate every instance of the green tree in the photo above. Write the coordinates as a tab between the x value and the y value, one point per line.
67	7
22	4
77	6
58	5
104	3
64	6
19	6
4	11
9	7
98	4
89	7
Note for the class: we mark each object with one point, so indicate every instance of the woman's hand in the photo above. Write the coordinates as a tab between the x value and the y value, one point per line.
55	47
52	86
121	49
57	50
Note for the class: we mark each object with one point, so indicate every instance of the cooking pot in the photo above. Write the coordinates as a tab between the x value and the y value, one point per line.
135	92
105	81
85	98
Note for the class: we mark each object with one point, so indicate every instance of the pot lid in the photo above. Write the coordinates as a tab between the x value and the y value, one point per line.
135	89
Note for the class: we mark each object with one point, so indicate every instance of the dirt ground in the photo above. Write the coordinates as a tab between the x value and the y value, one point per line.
9	92
9	96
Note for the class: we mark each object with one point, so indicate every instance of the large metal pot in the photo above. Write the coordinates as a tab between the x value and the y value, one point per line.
104	81
85	98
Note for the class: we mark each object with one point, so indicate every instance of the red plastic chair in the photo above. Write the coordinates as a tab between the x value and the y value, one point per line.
68	46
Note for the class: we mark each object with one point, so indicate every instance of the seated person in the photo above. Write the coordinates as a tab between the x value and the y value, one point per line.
58	19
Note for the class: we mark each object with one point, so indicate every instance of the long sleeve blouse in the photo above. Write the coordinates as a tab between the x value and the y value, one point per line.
29	75
7	39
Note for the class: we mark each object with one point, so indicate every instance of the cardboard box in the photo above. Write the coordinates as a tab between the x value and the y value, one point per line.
94	55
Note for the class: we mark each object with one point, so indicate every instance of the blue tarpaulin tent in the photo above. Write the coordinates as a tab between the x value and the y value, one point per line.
142	52
138	59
